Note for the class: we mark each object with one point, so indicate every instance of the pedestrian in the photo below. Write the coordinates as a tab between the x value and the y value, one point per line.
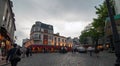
23	52
97	52
90	50
27	52
73	49
30	48
44	50
12	54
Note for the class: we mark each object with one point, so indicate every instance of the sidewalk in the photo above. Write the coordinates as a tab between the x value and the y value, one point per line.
3	61
105	59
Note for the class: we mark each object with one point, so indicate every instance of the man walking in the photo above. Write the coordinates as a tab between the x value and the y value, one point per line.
11	54
90	49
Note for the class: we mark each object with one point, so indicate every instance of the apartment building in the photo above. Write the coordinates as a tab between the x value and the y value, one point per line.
59	40
41	33
7	25
42	37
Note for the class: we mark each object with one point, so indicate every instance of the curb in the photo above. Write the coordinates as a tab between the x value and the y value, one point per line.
2	61
4	64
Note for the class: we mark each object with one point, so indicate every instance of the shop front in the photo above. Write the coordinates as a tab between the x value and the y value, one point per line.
108	31
5	42
46	48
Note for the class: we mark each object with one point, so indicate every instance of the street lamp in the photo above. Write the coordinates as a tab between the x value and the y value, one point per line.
116	40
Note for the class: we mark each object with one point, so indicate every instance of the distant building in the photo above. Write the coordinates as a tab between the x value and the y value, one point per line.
76	40
24	41
41	34
42	37
69	41
59	40
28	43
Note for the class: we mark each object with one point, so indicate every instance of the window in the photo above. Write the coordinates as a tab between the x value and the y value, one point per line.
46	31
5	18
62	40
59	39
55	41
39	36
10	25
50	27
36	36
50	37
45	39
50	31
34	29
42	30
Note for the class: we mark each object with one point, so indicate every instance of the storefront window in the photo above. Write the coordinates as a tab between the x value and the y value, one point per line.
1	37
3	48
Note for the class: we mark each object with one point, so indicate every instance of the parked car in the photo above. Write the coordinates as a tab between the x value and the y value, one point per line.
81	49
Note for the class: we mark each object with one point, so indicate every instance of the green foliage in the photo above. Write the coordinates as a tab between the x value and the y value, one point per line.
102	13
98	23
83	36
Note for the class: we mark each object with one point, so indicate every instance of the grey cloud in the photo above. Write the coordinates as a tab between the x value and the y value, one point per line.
58	9
20	35
54	12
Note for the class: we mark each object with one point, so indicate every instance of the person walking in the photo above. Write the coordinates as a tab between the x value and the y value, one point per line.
11	55
90	50
23	51
97	52
27	52
30	48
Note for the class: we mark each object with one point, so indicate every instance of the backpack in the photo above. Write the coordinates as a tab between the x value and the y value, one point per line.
15	57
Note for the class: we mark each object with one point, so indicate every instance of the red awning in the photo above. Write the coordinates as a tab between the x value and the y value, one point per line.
46	46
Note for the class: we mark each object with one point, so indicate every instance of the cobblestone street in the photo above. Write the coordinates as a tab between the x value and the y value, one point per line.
68	59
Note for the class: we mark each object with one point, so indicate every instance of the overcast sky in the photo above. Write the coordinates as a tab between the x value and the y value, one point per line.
68	17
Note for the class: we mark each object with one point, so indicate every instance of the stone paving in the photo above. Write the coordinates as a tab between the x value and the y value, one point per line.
68	59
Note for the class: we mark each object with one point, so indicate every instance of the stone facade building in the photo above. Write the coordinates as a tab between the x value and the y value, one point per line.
42	37
41	33
7	25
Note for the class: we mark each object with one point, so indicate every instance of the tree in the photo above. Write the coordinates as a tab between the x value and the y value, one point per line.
98	24
102	12
83	37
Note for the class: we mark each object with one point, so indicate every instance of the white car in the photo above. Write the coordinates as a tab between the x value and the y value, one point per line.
90	49
81	49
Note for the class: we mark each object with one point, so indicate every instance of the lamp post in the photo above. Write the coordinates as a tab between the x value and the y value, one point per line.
116	40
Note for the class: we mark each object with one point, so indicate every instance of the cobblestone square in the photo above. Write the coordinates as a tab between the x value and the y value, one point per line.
68	59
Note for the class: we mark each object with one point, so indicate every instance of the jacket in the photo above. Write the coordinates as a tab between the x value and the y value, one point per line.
11	52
